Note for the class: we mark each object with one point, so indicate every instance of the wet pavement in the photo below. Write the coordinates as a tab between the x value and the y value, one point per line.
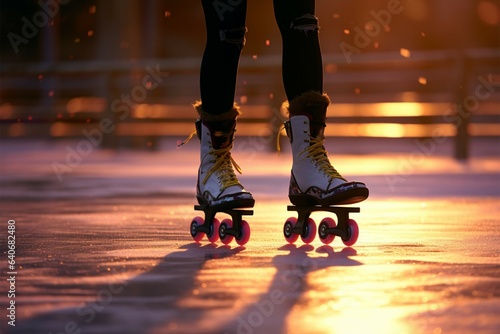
107	249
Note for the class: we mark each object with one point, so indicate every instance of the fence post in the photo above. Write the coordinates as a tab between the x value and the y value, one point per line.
50	54
462	137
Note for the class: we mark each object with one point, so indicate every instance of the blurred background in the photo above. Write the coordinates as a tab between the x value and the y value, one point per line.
430	69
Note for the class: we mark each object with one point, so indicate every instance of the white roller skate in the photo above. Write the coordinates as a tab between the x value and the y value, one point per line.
314	181
218	188
217	184
315	185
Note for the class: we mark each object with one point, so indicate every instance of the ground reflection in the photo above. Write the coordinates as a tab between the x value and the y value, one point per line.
290	282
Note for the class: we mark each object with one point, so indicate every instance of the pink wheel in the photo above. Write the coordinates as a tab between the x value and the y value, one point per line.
197	236
353	233
224	225
287	230
214	231
310	233
245	233
325	224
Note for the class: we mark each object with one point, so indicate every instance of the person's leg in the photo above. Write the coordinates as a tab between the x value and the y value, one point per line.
302	62
313	179
225	26
217	184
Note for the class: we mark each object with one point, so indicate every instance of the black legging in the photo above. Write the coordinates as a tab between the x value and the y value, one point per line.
226	26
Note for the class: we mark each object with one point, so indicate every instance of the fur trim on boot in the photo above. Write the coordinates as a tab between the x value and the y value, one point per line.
221	126
312	104
230	115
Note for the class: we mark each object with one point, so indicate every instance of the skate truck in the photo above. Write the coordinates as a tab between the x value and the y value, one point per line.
226	230
305	227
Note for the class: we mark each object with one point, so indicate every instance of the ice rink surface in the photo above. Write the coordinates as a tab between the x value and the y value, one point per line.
105	247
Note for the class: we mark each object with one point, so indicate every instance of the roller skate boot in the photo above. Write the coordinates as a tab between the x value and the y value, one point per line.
315	185
217	187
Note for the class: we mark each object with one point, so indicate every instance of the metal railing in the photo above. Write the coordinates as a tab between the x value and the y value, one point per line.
40	99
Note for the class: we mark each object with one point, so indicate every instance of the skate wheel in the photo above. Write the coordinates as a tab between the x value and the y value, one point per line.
326	224
287	230
224	225
245	233
352	233
213	236
197	236
310	231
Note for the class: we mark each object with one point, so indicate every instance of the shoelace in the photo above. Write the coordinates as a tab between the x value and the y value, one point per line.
278	144
318	153
191	135
223	166
224	163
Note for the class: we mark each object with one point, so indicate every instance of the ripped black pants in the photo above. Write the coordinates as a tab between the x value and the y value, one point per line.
226	27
